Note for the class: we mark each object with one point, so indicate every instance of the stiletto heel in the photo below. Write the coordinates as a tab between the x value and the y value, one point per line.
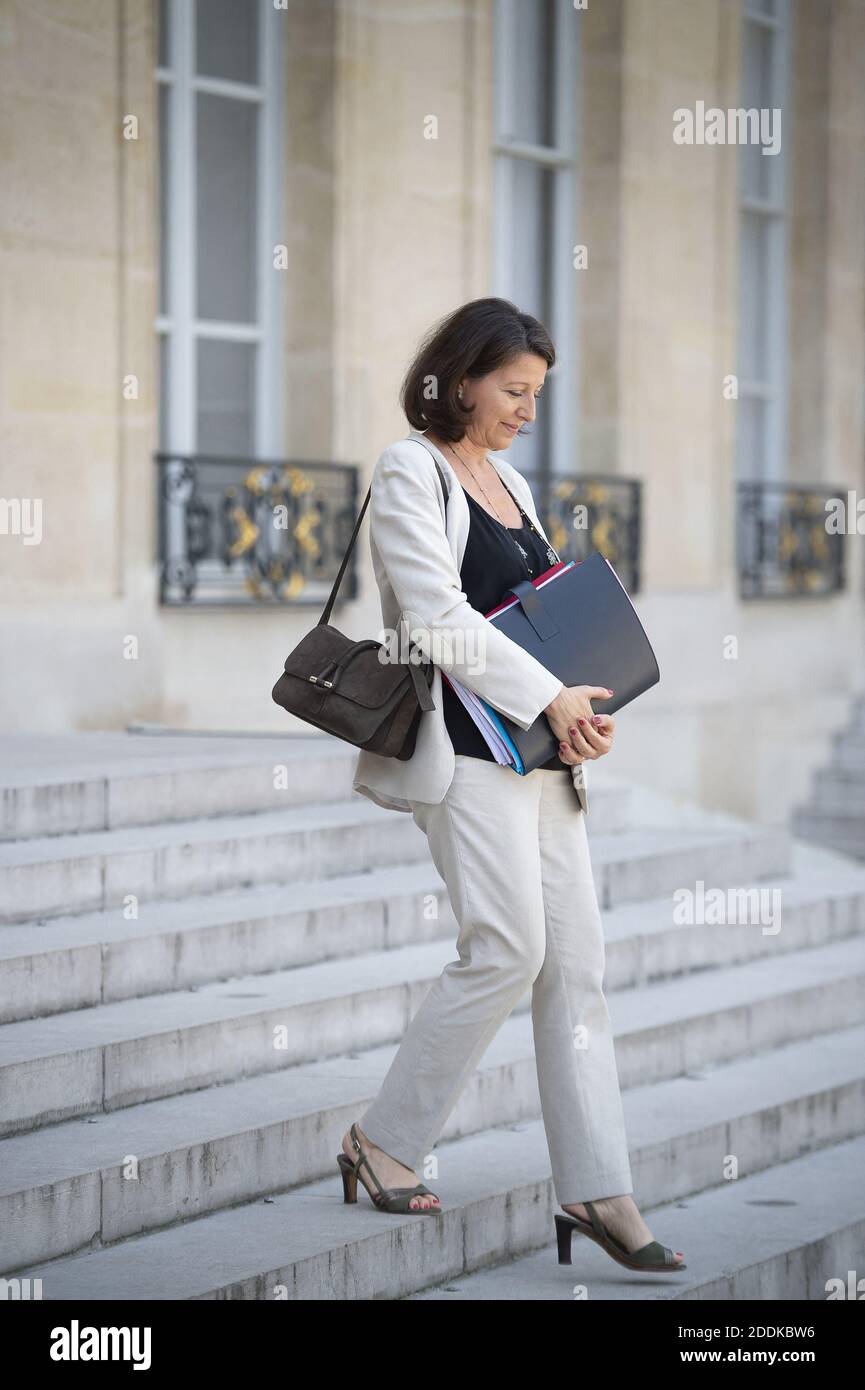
393	1199
653	1258
349	1178
563	1238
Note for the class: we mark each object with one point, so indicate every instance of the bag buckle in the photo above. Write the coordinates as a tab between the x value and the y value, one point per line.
315	680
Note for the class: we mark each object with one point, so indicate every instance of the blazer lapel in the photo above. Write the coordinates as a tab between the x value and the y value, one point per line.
457	517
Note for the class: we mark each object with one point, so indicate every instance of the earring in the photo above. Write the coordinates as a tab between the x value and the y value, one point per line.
460	393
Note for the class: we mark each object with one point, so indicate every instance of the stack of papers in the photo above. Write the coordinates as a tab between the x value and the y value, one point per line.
501	745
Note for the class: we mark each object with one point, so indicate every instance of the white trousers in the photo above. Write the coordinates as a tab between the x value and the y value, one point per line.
514	856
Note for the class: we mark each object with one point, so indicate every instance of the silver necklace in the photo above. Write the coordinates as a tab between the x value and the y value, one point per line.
551	554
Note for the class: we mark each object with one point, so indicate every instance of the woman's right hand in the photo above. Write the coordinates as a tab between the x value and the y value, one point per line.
570	705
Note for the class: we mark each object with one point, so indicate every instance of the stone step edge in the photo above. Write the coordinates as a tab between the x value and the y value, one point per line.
621	861
225	908
308	1245
325	816
134	839
783	1257
632	924
188	1114
186	804
231	906
417	966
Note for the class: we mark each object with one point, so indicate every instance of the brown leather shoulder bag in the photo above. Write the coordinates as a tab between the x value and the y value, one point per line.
342	687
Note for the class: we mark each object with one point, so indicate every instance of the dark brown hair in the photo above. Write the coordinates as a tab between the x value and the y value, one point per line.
473	341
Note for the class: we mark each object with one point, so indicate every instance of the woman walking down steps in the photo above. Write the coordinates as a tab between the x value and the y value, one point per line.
512	850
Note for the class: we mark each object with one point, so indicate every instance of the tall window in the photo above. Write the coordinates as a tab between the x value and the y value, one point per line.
762	413
534	232
218	324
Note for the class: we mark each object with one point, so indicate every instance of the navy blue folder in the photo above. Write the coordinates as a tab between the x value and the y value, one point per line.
583	627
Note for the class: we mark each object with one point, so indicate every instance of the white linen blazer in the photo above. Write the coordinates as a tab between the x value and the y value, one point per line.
417	548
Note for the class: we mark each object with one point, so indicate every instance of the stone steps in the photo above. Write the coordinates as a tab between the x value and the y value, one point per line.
225	1036
794	1232
834	813
89	958
120	1053
842	829
97	871
99	957
113	781
792	1118
118	781
839	791
226	1143
848	746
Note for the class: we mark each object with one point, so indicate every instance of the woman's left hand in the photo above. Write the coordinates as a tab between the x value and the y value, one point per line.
589	740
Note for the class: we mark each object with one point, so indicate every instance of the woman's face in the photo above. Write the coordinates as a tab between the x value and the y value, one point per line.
504	400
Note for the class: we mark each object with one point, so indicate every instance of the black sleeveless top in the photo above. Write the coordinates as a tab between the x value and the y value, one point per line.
491	562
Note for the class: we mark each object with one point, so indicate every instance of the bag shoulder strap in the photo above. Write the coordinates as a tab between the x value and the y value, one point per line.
325	617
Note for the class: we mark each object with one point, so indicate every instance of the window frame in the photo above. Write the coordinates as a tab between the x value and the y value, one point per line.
178	329
772	387
560	158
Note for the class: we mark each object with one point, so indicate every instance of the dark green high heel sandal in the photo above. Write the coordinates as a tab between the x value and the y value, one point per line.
392	1199
653	1258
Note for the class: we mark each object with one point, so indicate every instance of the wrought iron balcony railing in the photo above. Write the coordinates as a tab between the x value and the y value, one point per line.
272	533
238	532
585	512
784	547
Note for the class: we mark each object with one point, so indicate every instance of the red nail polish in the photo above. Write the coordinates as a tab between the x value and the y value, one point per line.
581	721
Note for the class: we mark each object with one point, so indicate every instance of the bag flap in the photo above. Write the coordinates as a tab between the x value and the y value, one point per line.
365	680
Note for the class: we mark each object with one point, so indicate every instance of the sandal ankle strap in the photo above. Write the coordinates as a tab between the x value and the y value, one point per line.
363	1160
